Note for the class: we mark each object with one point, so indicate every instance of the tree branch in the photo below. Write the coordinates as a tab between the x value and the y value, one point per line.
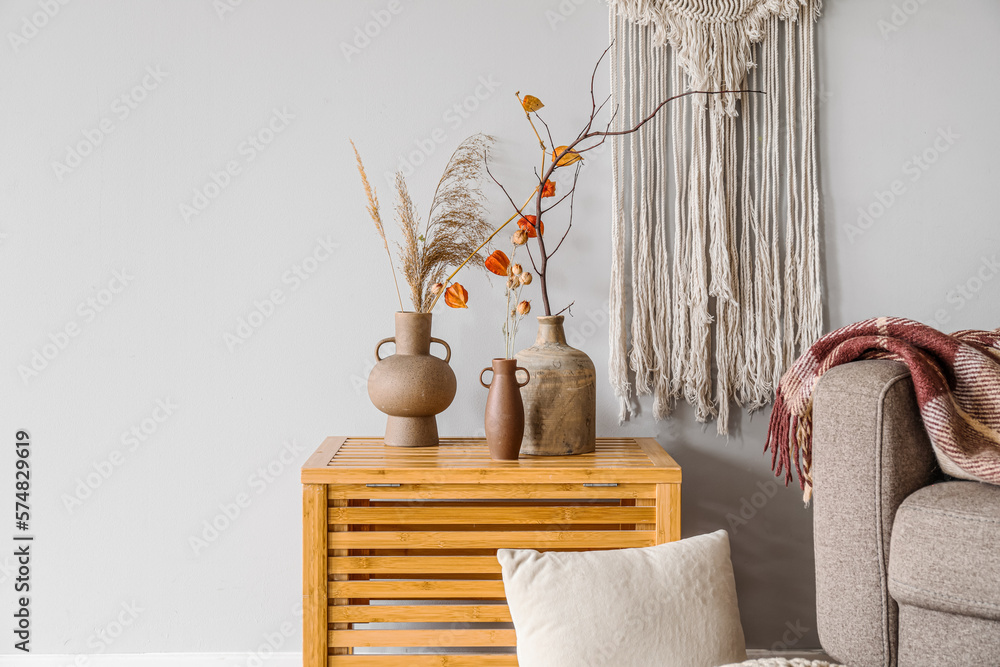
567	308
572	193
500	185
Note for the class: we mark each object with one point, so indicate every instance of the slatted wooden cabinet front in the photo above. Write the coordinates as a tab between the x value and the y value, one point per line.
400	545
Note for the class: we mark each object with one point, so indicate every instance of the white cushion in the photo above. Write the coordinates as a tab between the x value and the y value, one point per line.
672	604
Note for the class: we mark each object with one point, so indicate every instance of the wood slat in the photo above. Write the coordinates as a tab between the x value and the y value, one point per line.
576	539
490	491
466	460
325	452
416	589
668	516
341	577
491	515
657	455
411	564
427	613
413	660
442	638
314	576
491	474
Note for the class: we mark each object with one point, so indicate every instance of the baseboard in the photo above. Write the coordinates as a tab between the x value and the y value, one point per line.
245	659
241	659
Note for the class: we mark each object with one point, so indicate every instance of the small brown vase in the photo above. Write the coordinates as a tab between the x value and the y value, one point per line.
560	406
412	386
504	410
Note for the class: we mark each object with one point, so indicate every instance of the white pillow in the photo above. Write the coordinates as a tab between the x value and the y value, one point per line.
672	604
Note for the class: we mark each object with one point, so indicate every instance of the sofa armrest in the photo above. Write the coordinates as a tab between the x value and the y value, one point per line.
870	451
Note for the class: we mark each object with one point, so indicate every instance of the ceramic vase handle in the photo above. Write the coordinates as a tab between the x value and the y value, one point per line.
446	347
521	384
381	343
481	377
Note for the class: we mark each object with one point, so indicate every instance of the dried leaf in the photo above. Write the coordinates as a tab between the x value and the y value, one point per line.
562	156
457	296
531	103
549	189
527	223
497	263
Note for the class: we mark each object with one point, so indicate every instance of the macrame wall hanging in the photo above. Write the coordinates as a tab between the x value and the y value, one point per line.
715	211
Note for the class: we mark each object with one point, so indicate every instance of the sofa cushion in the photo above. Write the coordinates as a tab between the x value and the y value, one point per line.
945	549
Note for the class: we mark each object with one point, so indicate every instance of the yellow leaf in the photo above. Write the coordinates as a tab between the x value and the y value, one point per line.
531	103
562	156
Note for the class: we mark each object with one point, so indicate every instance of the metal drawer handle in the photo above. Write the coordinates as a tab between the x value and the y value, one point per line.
611	484
382	485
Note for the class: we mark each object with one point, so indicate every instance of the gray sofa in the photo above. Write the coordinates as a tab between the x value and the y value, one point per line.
907	562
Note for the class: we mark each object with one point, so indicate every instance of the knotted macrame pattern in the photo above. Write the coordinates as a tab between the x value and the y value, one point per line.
715	224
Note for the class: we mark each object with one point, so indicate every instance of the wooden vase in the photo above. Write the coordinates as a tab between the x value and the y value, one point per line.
504	410
412	386
560	404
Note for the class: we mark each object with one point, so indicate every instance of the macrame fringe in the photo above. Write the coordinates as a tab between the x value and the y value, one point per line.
740	258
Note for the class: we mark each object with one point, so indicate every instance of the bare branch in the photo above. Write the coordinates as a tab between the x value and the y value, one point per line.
572	193
567	308
560	200
593	77
531	257
665	102
547	130
600	108
517	208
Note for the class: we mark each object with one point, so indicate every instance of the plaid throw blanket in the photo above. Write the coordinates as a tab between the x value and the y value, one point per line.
957	382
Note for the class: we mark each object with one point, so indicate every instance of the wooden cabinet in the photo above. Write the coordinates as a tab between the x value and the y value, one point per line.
408	536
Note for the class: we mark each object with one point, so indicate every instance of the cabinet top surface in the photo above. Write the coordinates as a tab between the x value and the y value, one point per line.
467	460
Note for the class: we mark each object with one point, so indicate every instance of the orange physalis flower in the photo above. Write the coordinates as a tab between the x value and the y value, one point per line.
457	296
549	189
497	263
527	223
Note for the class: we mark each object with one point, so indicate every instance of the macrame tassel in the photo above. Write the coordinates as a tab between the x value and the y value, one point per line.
641	356
662	400
698	376
617	360
727	343
680	323
793	240
812	315
773	188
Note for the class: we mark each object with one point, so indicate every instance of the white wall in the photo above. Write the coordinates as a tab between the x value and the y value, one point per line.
300	376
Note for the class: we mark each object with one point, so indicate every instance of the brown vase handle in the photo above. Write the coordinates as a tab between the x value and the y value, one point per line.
481	377
381	343
446	346
521	384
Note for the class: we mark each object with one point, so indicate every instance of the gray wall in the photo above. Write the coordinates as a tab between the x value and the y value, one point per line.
887	98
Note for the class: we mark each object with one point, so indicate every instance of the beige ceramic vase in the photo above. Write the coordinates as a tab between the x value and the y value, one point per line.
504	410
560	402
412	386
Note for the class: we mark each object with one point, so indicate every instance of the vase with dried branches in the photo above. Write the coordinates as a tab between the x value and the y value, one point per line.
412	386
560	403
